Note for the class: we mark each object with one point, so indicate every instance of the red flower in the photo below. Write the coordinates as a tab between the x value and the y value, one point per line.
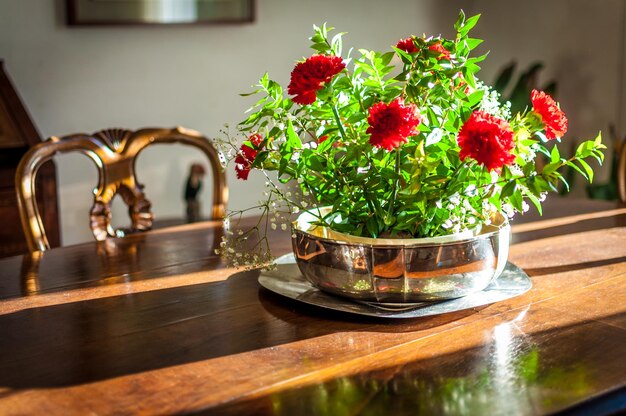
553	118
246	156
407	45
443	52
311	75
391	124
486	139
256	140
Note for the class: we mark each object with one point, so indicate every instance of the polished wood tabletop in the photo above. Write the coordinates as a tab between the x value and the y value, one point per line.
157	324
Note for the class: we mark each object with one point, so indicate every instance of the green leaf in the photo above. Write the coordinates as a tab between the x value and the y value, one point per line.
509	189
472	43
372	226
577	169
293	141
460	21
535	202
469	24
587	169
516	200
551	167
555	156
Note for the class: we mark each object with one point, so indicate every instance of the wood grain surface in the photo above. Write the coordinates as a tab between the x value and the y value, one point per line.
157	324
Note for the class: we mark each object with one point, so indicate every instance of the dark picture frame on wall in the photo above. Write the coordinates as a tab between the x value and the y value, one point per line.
158	12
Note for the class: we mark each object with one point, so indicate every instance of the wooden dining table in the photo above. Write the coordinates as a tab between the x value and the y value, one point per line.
157	323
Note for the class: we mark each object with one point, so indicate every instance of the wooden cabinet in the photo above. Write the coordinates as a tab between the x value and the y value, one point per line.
17	134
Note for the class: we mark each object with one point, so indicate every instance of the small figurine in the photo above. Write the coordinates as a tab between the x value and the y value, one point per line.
192	188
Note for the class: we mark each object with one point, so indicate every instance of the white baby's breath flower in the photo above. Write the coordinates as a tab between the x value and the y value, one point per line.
516	170
471	190
508	210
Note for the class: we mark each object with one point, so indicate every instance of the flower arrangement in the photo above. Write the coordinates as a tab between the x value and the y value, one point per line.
402	143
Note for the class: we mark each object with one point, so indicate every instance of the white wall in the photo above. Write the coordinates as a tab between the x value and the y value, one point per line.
580	43
85	79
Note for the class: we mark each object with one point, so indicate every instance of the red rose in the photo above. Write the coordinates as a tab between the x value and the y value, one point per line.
309	76
486	139
443	52
391	124
407	45
553	118
246	156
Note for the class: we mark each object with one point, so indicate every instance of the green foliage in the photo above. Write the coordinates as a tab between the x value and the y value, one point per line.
422	188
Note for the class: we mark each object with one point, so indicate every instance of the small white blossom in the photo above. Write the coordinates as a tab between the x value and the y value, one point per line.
516	170
471	190
508	210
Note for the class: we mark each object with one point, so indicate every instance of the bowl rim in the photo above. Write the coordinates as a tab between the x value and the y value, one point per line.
498	225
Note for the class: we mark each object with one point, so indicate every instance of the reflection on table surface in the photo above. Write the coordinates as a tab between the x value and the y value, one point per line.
156	323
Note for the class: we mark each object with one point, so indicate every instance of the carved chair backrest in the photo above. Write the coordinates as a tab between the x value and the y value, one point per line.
114	152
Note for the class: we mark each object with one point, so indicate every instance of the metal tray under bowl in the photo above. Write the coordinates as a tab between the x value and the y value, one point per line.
287	280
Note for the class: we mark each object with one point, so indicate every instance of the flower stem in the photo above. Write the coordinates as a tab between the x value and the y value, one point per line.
342	132
395	185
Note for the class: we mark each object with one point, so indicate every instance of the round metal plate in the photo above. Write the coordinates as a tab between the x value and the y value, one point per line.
287	280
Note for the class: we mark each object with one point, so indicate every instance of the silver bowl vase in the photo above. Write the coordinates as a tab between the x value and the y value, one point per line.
400	270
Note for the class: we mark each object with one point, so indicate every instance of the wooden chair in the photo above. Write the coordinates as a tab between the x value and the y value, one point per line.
114	152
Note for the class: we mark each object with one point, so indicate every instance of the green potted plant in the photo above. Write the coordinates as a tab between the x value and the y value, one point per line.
402	144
